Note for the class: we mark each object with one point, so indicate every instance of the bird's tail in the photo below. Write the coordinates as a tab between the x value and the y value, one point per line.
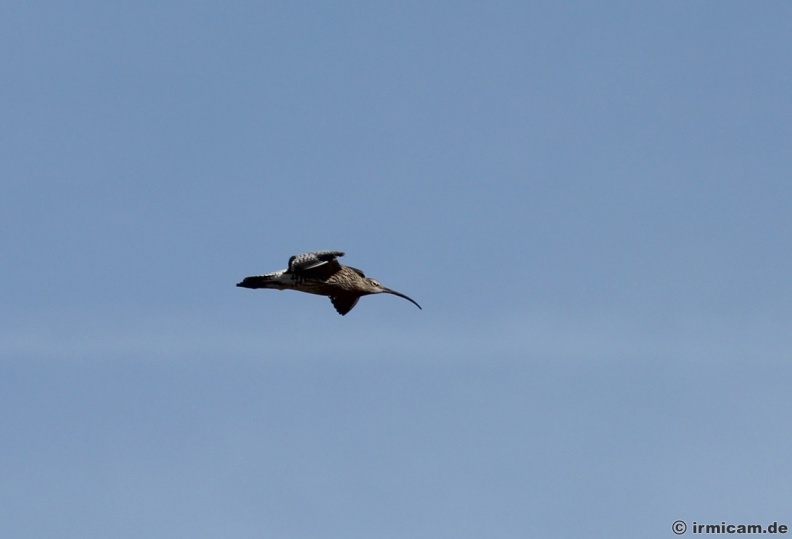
270	280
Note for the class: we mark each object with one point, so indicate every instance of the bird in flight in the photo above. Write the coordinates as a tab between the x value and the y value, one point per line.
319	272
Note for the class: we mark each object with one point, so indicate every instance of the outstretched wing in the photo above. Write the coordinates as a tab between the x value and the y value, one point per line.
343	304
359	272
317	263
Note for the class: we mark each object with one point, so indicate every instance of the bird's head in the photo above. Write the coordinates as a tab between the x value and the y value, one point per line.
374	287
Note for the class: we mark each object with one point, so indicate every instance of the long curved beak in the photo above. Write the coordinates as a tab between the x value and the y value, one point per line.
408	298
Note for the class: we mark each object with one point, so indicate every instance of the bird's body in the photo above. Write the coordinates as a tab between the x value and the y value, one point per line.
319	272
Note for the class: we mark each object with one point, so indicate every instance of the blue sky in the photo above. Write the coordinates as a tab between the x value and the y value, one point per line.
590	201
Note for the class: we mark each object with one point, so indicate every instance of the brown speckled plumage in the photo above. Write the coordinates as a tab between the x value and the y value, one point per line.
319	272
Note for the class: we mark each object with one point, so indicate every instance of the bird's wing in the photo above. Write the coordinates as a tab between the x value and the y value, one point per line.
359	272
343	304
306	261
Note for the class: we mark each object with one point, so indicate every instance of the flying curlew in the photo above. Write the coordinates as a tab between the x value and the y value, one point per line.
319	272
